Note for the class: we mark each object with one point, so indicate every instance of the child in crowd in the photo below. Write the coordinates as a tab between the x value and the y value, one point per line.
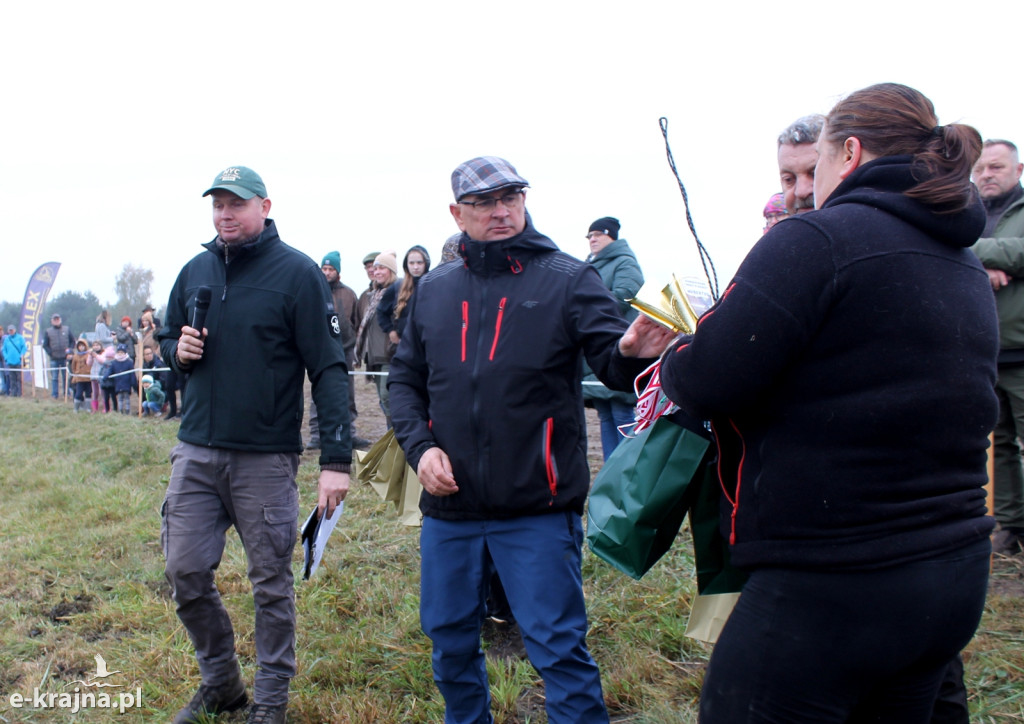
122	383
107	384
96	372
81	375
154	397
153	366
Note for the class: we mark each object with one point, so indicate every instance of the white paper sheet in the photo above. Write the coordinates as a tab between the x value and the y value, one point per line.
315	532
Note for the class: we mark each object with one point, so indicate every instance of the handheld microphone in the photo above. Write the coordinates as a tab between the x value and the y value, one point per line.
201	308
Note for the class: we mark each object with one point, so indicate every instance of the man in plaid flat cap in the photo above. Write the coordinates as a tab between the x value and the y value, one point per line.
486	402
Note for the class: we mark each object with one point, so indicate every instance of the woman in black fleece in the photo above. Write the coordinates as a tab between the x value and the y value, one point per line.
848	371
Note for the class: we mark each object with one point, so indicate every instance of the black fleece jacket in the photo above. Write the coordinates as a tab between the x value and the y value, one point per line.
271	319
849	371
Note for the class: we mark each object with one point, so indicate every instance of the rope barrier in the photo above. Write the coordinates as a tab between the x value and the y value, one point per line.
147	370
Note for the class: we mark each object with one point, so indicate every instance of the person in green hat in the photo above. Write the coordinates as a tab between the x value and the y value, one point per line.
270	321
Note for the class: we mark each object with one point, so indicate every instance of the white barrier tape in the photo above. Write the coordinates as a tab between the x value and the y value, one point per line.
354	373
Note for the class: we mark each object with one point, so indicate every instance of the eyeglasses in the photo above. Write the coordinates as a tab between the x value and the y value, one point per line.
510	200
593	234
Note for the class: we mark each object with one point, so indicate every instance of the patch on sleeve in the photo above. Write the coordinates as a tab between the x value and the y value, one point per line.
333	323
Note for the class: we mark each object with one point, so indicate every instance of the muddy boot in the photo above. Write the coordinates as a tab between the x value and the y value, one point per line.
212	700
265	714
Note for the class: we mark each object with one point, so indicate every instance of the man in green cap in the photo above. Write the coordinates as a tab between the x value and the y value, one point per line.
265	320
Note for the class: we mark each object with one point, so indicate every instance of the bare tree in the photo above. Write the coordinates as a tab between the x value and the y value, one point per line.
134	288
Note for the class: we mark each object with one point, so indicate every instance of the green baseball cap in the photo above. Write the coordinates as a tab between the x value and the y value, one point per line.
239	180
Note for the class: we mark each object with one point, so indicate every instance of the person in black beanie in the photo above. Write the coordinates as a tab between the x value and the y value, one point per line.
606	225
620	272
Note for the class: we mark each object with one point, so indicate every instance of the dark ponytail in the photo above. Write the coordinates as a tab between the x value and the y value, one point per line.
891	119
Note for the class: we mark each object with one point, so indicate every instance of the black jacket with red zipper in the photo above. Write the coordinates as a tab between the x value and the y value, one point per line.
489	371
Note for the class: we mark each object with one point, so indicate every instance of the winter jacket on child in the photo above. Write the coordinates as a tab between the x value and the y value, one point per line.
152	391
122	363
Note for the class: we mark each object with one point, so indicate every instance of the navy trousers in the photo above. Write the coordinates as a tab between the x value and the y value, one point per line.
538	561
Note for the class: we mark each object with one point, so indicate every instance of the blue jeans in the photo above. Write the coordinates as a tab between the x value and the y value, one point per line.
58	377
383	395
612	414
151	408
14	381
538	560
845	647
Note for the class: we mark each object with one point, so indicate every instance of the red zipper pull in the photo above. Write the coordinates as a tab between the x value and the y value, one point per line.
497	326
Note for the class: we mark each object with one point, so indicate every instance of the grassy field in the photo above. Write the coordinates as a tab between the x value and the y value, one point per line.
81	574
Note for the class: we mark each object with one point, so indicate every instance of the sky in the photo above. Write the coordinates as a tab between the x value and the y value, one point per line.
118	115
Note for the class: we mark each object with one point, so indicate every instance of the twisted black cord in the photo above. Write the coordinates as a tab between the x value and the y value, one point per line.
705	258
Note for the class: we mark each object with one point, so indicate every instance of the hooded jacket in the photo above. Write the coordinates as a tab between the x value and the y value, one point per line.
386	311
81	365
849	371
154	393
489	371
620	272
271	319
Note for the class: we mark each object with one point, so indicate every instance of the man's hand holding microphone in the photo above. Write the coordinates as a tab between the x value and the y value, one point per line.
190	344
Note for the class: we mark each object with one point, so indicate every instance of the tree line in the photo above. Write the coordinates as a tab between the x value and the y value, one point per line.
78	310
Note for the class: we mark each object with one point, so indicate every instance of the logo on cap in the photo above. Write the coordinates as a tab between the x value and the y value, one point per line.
231	174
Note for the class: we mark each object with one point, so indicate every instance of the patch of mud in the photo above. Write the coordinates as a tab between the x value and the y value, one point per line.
502	641
66	609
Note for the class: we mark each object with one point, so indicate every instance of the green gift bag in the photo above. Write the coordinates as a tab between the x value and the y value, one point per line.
640	497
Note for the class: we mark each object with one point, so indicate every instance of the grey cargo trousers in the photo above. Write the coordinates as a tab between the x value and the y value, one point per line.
210	490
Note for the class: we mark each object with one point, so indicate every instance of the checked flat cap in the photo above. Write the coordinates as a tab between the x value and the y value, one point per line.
483	174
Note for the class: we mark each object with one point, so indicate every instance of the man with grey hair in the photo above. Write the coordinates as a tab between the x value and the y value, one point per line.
997	175
58	342
487	404
797	157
